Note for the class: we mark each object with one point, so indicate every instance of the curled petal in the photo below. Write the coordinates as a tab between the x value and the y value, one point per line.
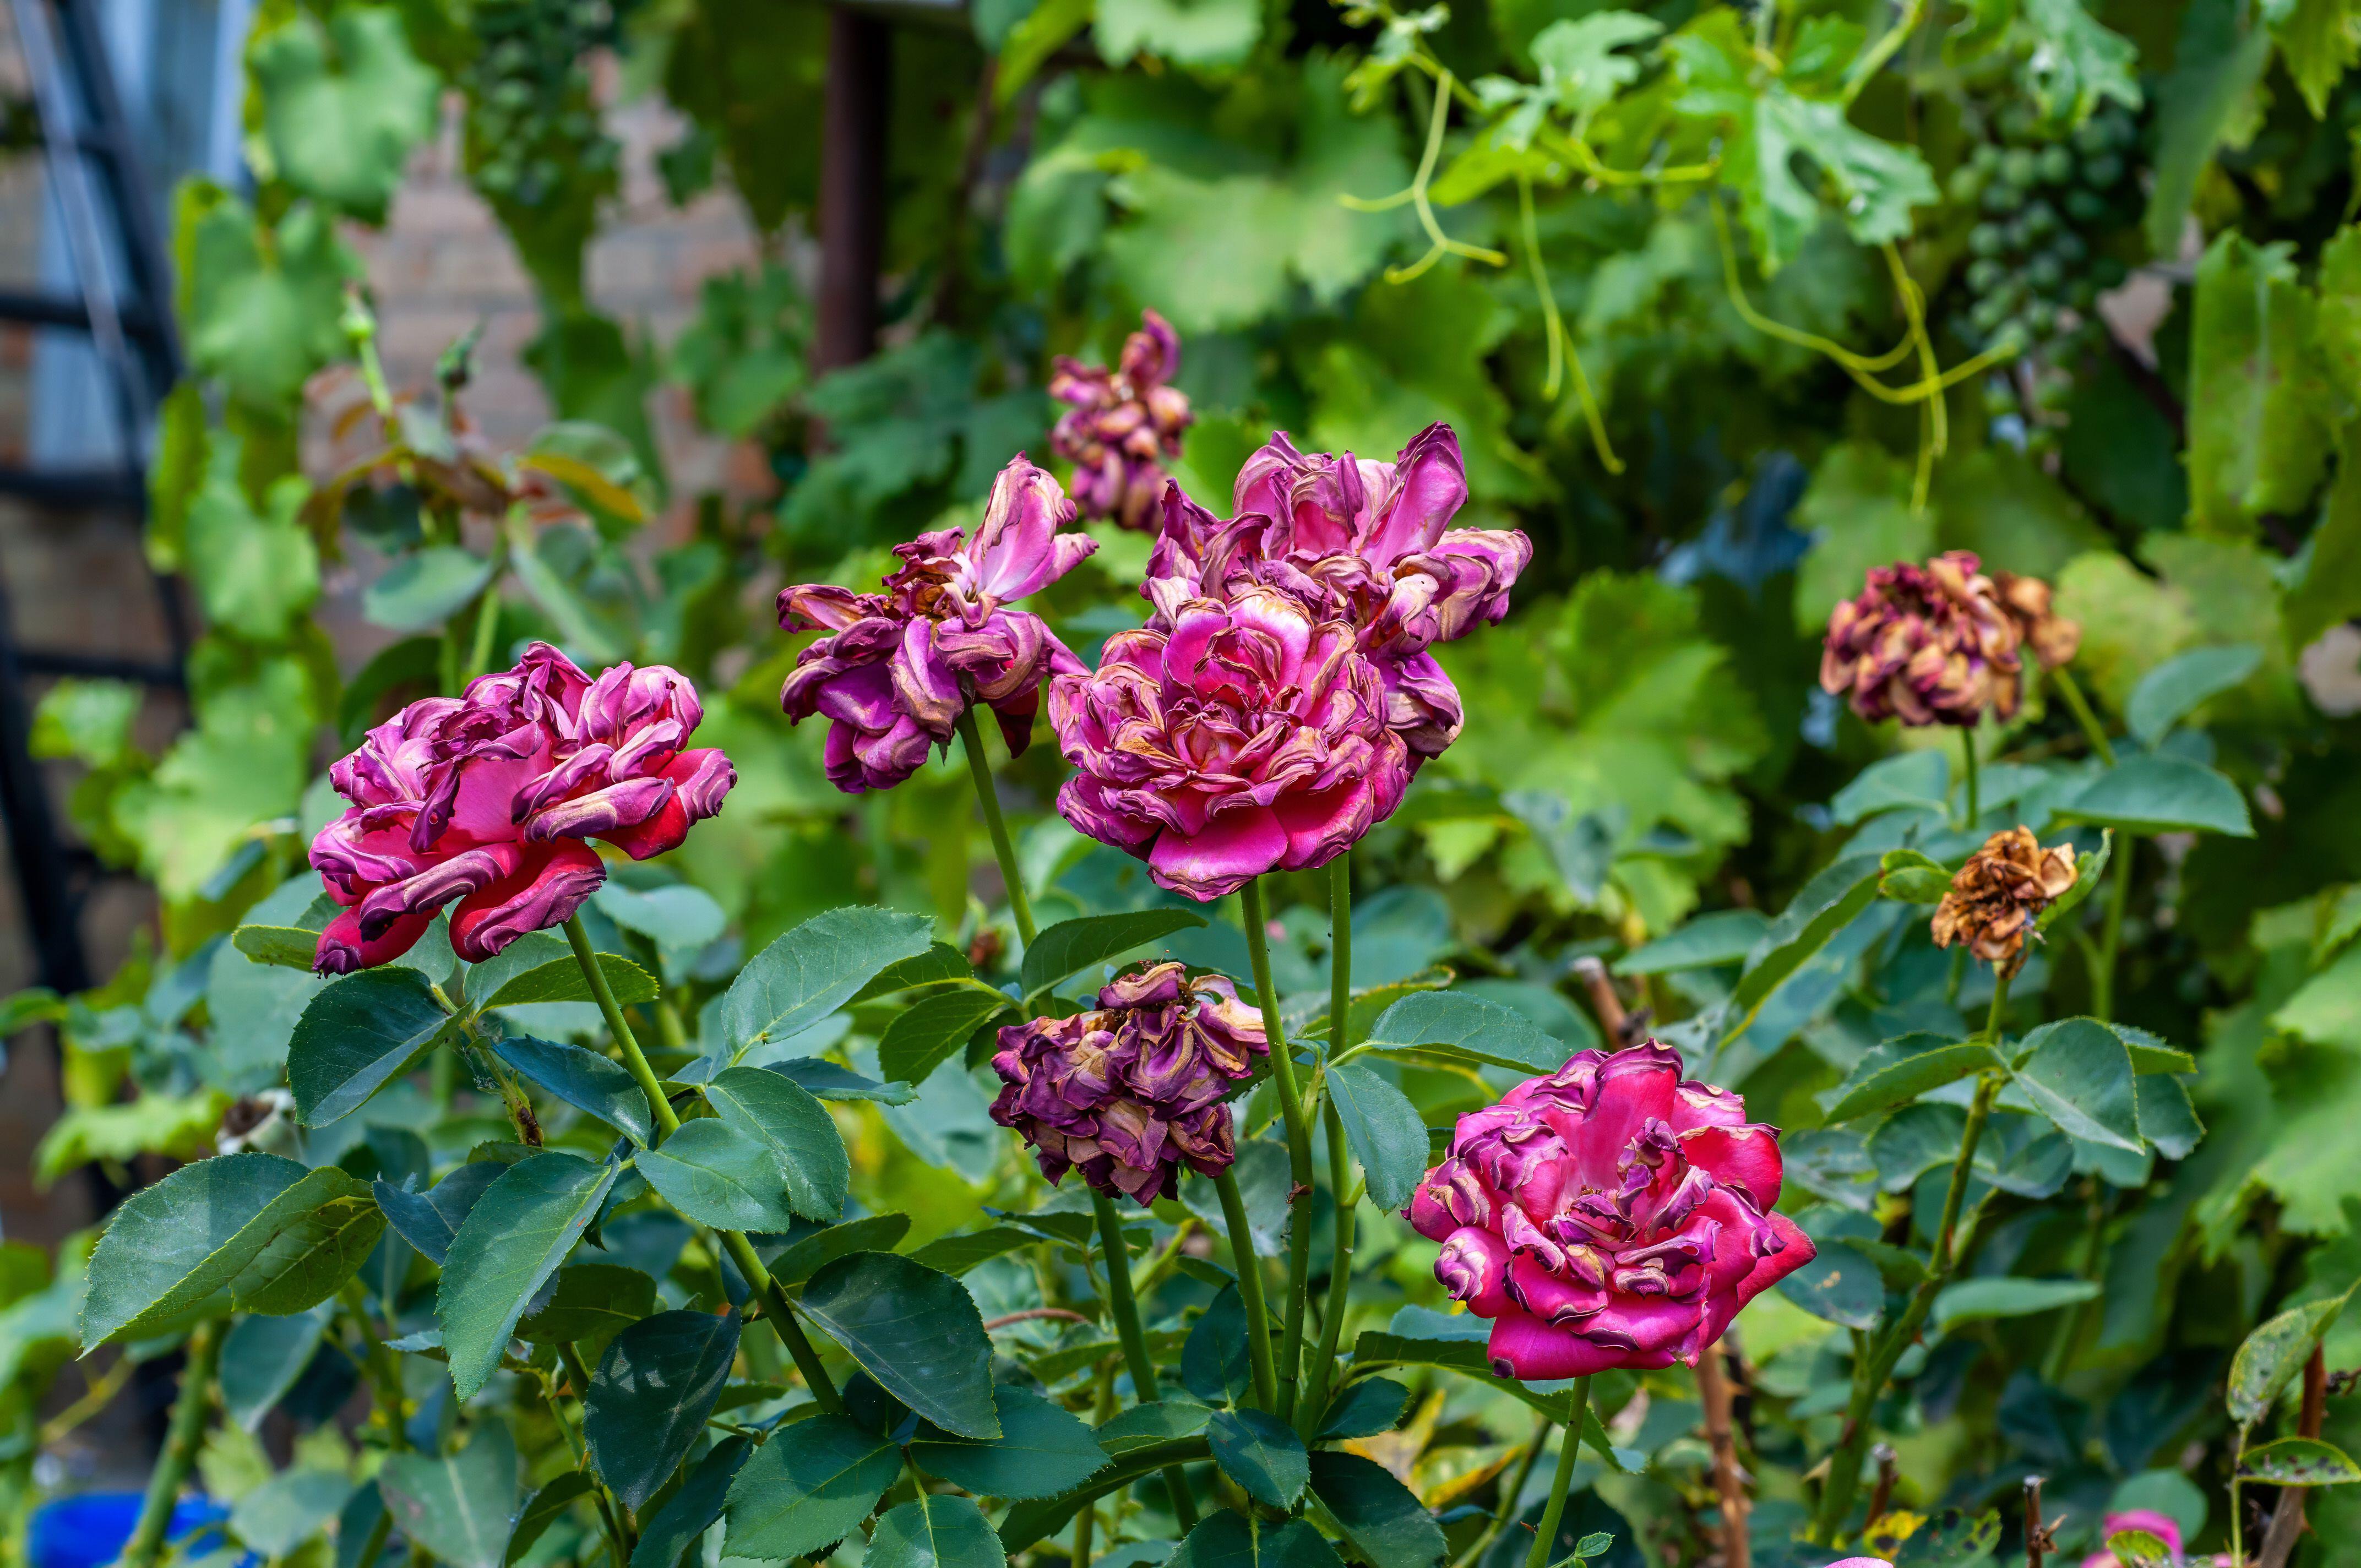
343	950
541	892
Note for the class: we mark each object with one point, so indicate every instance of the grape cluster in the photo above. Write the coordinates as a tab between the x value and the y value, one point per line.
534	127
2050	199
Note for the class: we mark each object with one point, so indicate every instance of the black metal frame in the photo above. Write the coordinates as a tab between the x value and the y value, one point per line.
82	121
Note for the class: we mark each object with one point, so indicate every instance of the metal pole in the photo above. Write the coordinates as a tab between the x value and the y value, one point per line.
852	186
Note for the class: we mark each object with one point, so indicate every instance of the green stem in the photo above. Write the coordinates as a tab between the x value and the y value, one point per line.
145	1547
668	1026
1340	1266
2111	935
1968	752
1120	1300
1871	1371
1298	1149
987	795
1568	1449
742	1251
2073	691
1506	1507
1249	1267
488	617
1340	1274
659	1103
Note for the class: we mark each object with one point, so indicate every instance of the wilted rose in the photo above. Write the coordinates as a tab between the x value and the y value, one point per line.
1369	544
1930	644
1133	1091
1123	425
899	667
2053	638
487	798
1609	1215
1997	897
1248	738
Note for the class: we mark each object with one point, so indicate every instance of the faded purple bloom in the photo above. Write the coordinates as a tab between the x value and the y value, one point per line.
1931	644
1609	1215
1124	425
1247	738
902	666
1368	543
1135	1090
486	797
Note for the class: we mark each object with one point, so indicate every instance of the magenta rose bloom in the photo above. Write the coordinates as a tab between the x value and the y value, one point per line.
1609	1215
1249	737
1369	544
1132	1092
1123	425
899	667
488	797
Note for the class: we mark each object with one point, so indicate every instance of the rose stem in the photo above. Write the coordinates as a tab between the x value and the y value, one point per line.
1574	1402
1124	1307
1249	1267
2072	692
1968	752
1509	1496
1340	1169
1729	1480
1299	1148
987	795
2111	935
2287	1519
487	616
742	1251
147	1544
1871	1374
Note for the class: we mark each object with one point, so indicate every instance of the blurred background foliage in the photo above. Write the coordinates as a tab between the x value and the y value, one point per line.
1651	265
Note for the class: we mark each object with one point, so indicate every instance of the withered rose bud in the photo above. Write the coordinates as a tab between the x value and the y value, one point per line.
1999	894
1930	644
2053	638
1130	1092
1124	425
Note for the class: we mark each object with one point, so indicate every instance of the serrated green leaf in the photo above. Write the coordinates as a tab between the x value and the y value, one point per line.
463	1507
1041	1451
1261	1454
562	980
914	1329
360	1034
806	1488
648	1401
511	1243
927	1034
1384	1130
2077	1073
816	968
585	1080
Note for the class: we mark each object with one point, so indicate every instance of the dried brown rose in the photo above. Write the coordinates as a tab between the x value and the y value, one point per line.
2000	894
1930	644
2053	638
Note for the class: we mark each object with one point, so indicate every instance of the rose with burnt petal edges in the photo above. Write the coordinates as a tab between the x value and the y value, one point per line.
1609	1215
488	797
899	667
1930	644
1367	543
1124	425
1130	1092
1248	738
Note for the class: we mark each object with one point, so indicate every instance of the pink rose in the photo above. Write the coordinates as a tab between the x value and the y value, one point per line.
1364	543
1248	738
1123	425
899	667
487	798
1609	1215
